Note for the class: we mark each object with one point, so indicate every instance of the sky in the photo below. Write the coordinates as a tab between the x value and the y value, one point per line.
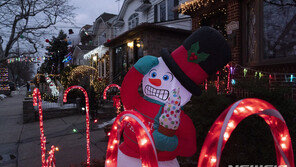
88	10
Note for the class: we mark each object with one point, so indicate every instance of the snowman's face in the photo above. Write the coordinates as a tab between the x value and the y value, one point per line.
160	81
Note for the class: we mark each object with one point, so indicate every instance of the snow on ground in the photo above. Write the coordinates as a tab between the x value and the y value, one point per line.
2	96
102	125
50	105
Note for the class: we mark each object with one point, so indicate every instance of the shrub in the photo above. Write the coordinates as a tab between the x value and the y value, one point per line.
251	142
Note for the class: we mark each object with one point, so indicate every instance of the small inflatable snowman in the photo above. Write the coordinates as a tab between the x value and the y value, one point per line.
168	83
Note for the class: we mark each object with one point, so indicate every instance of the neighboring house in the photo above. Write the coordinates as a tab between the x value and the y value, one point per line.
102	30
78	54
145	27
261	33
161	12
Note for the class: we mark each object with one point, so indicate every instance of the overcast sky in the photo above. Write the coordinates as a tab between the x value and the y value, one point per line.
88	10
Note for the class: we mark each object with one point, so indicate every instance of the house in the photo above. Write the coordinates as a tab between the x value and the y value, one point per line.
102	28
92	38
261	35
78	54
145	27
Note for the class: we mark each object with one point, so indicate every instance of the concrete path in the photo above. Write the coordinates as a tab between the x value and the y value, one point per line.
22	141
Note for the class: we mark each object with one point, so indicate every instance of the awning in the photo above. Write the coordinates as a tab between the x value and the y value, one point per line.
100	50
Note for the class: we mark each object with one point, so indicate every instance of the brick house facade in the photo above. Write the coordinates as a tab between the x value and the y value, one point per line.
239	11
262	37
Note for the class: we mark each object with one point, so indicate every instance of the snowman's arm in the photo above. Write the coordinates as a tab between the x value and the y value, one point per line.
129	88
186	137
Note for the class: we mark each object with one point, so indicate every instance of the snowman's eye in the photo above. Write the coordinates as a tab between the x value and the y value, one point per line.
153	75
165	77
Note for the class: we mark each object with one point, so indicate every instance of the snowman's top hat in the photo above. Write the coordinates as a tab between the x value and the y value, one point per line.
203	53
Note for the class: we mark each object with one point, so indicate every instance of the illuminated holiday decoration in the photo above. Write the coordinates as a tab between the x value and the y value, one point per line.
291	78
233	82
225	124
218	82
3	79
228	78
51	159
147	149
3	74
52	86
116	99
260	75
68	57
24	59
238	72
193	5
245	72
87	118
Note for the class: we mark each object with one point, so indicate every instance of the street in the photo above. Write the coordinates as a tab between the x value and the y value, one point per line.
20	143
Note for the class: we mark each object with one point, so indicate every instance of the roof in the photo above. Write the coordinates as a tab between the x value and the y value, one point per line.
86	27
106	16
86	47
145	27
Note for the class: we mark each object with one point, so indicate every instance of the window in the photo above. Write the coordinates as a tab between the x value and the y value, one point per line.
269	31
133	20
164	11
279	29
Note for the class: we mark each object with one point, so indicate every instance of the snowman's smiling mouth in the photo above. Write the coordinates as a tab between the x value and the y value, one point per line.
162	94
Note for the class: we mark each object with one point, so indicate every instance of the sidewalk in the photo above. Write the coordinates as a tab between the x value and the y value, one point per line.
24	140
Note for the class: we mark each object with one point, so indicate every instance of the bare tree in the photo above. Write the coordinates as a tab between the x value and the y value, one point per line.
27	20
282	2
20	72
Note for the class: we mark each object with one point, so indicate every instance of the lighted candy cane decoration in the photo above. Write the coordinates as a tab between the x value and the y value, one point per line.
116	99
50	162
87	118
38	101
224	125
148	154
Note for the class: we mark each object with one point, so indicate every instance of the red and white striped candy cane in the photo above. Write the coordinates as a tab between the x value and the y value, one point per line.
37	101
148	154
87	118
225	124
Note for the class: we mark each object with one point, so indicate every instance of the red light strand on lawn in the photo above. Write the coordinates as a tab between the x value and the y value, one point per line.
225	124
37	101
87	118
148	154
50	162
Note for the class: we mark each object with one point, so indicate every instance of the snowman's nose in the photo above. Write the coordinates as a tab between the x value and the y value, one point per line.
155	82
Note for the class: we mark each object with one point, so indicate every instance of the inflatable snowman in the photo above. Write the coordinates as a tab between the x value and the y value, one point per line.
168	83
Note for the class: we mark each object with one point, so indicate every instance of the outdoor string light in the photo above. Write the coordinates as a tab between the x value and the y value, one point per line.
51	159
87	118
148	153
224	125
